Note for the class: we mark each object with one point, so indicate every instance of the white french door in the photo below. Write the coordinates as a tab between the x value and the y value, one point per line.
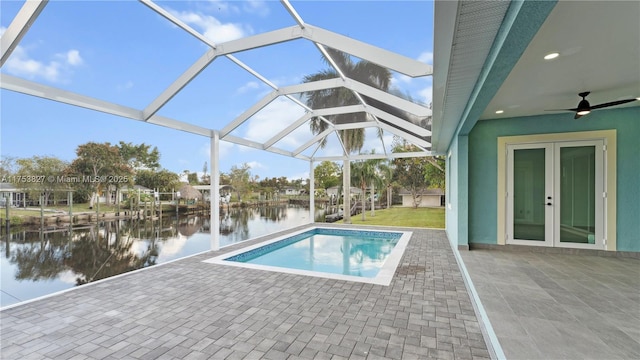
555	194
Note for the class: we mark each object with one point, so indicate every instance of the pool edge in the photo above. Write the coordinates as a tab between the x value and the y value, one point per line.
384	277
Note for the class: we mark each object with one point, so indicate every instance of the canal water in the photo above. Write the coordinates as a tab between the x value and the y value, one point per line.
35	263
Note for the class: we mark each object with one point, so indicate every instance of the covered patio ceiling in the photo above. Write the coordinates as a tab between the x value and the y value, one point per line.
392	114
495	52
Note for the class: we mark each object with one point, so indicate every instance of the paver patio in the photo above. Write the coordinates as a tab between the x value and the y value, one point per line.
545	305
188	309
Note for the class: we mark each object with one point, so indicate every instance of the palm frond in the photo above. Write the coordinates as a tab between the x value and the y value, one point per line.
363	71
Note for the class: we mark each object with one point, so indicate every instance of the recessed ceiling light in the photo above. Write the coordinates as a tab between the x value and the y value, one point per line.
499	111
551	56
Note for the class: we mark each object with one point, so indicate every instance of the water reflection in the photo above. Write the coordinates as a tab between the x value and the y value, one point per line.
37	263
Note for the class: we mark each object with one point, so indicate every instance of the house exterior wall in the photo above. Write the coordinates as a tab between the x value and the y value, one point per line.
483	168
451	194
520	24
456	214
425	201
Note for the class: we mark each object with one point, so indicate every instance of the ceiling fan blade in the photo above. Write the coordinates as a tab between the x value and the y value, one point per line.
613	103
562	110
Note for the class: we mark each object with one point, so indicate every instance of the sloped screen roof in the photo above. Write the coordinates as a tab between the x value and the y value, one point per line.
248	77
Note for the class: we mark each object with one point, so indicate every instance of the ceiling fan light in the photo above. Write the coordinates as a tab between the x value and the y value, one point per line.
583	107
551	56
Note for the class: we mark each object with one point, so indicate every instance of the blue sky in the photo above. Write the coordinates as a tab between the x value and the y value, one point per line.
122	52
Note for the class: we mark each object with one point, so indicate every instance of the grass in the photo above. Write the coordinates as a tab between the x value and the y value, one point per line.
403	216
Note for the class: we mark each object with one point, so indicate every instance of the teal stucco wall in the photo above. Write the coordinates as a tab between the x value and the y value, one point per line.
451	193
457	192
483	157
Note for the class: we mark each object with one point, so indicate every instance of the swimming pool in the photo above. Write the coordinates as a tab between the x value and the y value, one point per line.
345	254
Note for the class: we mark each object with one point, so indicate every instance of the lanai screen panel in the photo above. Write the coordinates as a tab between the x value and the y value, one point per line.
222	66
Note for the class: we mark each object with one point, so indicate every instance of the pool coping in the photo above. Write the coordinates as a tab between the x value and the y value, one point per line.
384	276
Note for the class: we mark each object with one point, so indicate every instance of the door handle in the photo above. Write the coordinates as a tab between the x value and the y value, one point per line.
548	204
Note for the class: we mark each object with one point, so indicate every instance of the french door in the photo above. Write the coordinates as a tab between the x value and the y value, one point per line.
555	194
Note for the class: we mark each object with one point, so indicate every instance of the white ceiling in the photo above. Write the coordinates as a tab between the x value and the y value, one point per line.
599	46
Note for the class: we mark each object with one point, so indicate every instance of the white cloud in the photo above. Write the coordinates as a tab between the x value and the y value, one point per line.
372	141
426	57
73	57
126	86
401	78
222	6
272	119
212	28
20	63
303	176
256	165
2	30
287	80
426	95
251	85
258	7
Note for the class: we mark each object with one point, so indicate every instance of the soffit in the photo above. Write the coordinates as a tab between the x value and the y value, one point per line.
475	28
599	46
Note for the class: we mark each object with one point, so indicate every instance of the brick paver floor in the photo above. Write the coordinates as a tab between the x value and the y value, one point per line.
188	309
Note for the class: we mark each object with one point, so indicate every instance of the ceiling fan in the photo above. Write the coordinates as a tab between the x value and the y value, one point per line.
584	107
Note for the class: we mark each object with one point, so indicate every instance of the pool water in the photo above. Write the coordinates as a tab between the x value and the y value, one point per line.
343	252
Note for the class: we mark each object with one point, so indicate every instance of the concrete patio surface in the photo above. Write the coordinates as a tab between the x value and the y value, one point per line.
188	309
543	305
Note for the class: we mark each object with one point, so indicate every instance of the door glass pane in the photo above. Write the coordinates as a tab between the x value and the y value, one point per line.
529	194
577	194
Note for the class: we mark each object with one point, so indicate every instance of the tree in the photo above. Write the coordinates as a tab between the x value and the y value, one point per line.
224	179
240	177
328	174
192	178
7	166
377	181
206	179
411	173
386	175
362	71
434	172
163	180
45	170
367	173
362	174
96	164
139	156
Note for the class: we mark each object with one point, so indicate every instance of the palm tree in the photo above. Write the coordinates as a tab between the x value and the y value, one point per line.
368	173
386	175
362	71
377	181
362	173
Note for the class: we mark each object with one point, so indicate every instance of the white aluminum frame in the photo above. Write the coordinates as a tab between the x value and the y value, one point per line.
320	37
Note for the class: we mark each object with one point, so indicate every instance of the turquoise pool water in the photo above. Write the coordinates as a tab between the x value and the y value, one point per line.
335	251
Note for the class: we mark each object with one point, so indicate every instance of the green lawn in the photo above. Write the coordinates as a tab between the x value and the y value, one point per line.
403	216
